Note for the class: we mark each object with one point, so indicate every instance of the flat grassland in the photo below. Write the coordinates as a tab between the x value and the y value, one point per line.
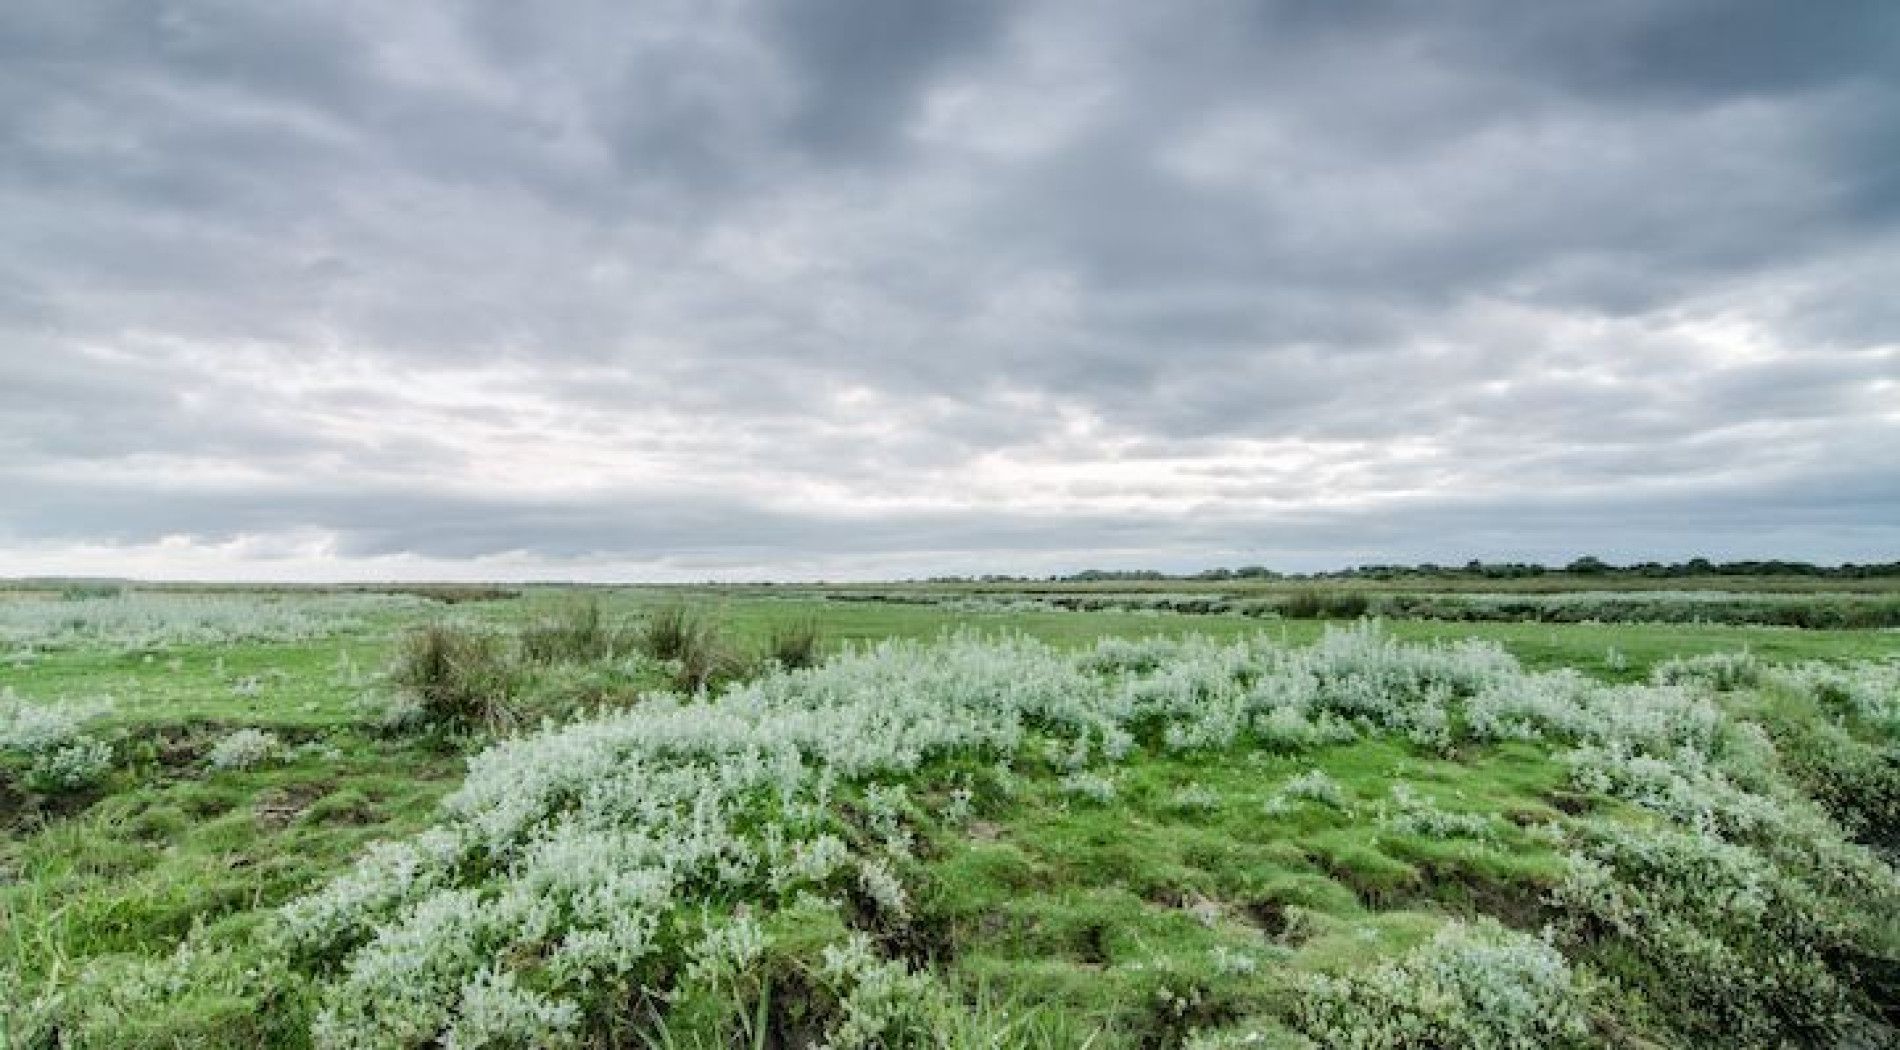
925	815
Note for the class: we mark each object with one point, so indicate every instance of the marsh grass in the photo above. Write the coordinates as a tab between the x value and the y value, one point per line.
461	676
701	648
1160	920
577	631
795	644
671	629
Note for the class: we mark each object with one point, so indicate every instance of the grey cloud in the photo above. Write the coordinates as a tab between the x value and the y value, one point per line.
697	276
862	65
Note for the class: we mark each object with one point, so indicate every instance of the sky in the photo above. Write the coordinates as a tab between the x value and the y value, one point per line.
732	289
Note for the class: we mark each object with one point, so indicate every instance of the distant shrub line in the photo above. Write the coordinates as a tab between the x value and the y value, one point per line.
1810	611
1779	611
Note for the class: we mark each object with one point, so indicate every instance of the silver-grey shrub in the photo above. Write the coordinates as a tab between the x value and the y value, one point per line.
1478	986
51	741
245	749
147	620
581	862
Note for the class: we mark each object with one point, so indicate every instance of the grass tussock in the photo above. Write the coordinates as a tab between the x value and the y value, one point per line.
576	632
670	630
461	678
698	646
795	644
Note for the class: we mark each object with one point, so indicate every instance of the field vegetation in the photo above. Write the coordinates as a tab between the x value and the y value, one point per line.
767	817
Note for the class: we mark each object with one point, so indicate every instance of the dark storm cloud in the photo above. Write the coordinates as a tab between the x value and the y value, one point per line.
906	286
862	67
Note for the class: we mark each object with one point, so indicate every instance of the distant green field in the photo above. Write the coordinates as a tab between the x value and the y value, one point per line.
1241	832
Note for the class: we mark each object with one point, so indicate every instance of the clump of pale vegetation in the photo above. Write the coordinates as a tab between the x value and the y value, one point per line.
690	840
1479	986
245	749
1719	671
1311	787
1194	798
1090	787
138	620
50	743
1411	813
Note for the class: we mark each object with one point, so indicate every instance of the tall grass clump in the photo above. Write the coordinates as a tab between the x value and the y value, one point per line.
670	630
795	644
694	644
576	632
459	677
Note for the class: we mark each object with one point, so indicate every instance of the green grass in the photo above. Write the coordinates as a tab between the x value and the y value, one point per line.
1122	918
1098	908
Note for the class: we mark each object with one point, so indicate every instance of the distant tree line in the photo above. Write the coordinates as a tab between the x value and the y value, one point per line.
1588	565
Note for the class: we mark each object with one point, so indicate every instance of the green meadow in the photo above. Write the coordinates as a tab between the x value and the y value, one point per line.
810	816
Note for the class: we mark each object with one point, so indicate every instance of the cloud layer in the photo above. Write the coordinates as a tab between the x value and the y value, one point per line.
747	289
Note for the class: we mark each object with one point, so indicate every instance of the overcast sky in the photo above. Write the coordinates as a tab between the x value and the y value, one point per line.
664	290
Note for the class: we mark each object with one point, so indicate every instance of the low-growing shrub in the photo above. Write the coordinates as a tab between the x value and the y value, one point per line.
1311	786
1290	729
1858	781
51	741
143	621
1092	787
245	749
81	762
1723	672
1477	986
394	711
1315	605
1193	798
1410	813
1728	945
596	863
1131	654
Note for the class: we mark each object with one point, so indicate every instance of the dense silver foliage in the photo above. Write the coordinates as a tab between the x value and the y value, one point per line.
585	860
